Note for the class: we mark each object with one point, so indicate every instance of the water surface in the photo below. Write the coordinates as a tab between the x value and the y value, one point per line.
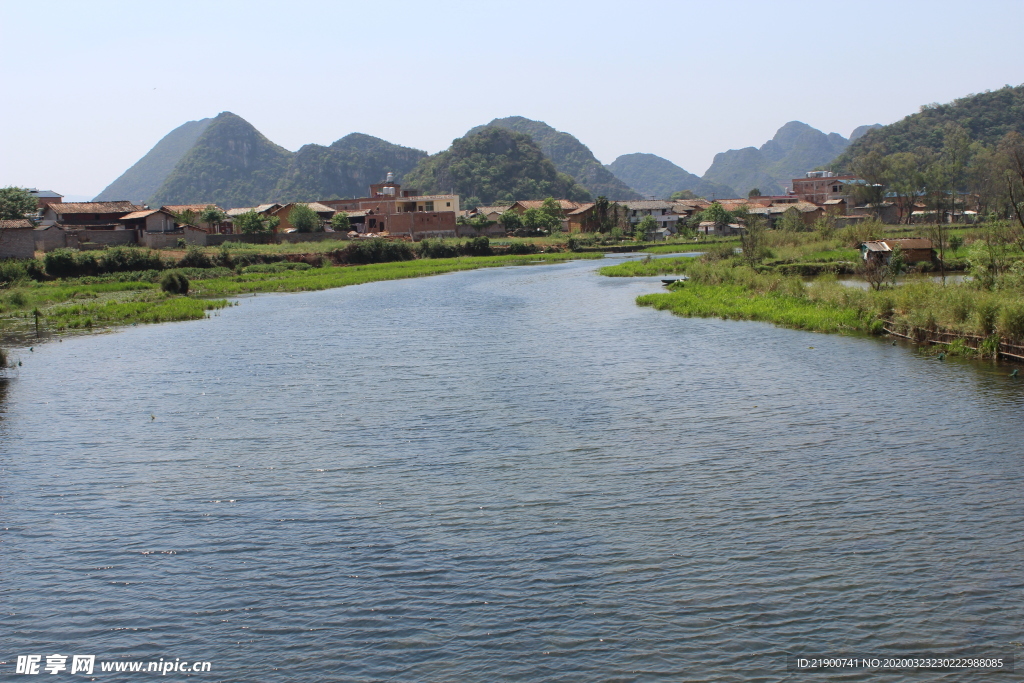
508	474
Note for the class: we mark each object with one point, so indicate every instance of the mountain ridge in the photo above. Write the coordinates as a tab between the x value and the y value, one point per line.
569	156
652	175
145	176
794	149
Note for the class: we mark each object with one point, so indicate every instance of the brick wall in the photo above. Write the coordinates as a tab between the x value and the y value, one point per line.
17	243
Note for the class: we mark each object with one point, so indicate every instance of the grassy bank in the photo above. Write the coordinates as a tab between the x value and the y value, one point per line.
982	317
91	302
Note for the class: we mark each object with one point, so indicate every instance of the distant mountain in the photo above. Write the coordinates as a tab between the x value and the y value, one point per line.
231	164
142	180
344	169
795	149
650	175
861	131
494	164
226	161
986	117
569	155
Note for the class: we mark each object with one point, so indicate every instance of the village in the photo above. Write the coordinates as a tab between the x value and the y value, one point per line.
393	212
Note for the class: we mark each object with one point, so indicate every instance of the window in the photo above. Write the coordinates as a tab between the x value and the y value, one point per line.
447	203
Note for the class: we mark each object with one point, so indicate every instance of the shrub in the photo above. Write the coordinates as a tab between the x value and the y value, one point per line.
128	259
985	314
1011	321
719	252
12	271
478	246
522	248
375	250
60	263
437	249
195	258
275	267
174	283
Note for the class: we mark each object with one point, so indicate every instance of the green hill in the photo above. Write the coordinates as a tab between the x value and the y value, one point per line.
569	155
655	176
142	180
986	117
494	164
795	149
231	164
344	169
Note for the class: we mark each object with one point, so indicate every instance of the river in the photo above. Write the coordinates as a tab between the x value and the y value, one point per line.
508	474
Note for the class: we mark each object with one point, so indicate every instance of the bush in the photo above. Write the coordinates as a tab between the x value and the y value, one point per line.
1011	321
437	249
12	271
478	246
128	259
195	258
523	248
275	267
985	315
60	263
719	252
174	283
376	250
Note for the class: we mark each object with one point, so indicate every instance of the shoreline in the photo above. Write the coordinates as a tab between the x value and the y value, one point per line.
67	309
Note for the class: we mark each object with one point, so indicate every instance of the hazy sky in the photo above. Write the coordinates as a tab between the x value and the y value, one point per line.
92	86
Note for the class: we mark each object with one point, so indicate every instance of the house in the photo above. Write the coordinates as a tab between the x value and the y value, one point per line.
836	207
521	206
807	211
710	228
17	238
581	219
820	186
49	237
392	210
150	220
661	211
262	209
324	213
91	215
197	209
45	197
914	250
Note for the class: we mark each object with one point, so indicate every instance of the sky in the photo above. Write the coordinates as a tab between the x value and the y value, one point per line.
102	81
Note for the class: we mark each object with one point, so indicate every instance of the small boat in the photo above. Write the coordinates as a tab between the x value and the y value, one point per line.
681	278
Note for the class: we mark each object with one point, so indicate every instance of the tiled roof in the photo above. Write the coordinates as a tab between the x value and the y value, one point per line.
46	194
198	208
16	223
583	208
239	211
910	243
646	204
320	208
491	209
565	204
139	214
94	207
425	197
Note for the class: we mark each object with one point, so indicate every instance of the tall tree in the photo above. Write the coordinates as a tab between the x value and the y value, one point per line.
212	216
304	219
903	177
15	203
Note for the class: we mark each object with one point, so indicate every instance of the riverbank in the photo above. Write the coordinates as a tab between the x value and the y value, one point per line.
88	304
983	318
